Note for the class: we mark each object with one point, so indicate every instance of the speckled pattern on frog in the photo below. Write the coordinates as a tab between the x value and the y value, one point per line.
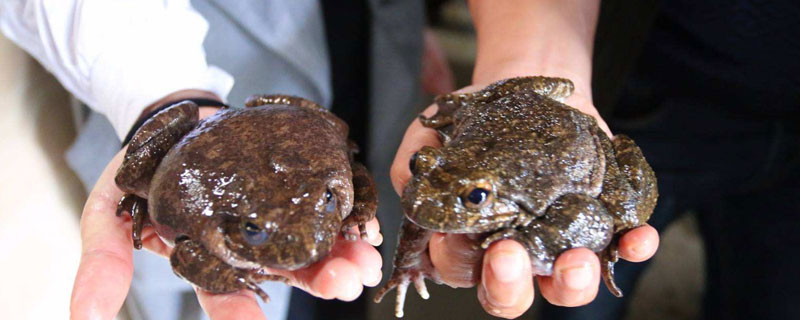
516	163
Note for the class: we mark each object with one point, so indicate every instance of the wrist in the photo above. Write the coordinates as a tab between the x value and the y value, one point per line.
207	102
551	38
179	96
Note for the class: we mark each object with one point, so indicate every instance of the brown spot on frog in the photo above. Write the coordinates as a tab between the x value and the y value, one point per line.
269	186
516	163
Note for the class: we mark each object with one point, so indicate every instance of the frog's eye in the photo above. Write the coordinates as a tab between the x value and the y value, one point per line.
330	201
253	234
477	196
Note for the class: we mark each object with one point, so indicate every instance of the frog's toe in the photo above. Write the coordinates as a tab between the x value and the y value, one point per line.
354	222
349	236
608	257
252	286
400	280
137	207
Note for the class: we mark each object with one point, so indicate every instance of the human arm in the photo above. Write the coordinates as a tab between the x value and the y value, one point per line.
116	56
517	38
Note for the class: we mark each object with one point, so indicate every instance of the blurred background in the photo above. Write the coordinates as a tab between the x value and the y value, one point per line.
41	200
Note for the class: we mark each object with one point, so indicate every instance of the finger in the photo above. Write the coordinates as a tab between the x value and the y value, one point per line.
639	244
506	288
364	256
456	258
106	266
152	242
437	77
575	279
374	236
416	137
332	278
237	305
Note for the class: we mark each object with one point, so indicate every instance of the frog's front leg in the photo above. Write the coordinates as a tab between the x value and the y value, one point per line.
192	262
365	201
137	207
572	221
412	263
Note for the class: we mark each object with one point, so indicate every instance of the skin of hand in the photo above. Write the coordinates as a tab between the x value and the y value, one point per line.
437	77
106	265
518	38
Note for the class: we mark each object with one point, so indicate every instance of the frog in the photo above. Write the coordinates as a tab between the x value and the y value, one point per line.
245	191
517	163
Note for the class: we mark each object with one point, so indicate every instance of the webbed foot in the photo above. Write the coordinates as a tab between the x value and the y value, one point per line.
608	257
365	203
192	262
411	264
401	278
137	207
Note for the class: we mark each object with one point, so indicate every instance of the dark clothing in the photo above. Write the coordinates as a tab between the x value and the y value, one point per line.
735	56
714	103
742	178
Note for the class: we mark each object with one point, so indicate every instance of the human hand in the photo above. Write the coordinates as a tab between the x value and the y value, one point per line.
436	77
106	266
504	272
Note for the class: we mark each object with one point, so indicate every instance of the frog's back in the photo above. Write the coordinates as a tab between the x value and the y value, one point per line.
238	156
534	144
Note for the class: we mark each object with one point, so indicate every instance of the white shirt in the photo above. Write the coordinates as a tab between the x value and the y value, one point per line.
117	56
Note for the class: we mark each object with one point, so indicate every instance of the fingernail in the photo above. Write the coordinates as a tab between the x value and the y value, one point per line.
377	240
640	248
373	278
507	266
576	277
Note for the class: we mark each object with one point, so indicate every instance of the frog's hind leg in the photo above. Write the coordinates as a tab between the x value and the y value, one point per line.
264	99
137	207
192	262
555	88
629	193
365	201
572	221
638	174
150	144
608	258
282	99
412	264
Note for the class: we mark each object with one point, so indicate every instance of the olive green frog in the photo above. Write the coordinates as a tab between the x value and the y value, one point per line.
517	163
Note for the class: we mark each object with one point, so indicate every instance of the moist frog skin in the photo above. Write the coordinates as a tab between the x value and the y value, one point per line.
269	186
516	163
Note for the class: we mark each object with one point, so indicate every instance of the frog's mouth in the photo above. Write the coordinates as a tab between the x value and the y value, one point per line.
217	243
433	214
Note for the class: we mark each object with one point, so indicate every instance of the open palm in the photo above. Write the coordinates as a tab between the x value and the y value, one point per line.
106	266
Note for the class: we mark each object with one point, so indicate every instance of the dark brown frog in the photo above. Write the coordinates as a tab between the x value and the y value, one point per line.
269	186
516	163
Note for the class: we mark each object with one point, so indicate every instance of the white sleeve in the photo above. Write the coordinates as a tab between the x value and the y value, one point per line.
117	56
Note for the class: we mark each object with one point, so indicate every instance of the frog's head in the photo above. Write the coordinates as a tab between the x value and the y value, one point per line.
445	197
291	224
